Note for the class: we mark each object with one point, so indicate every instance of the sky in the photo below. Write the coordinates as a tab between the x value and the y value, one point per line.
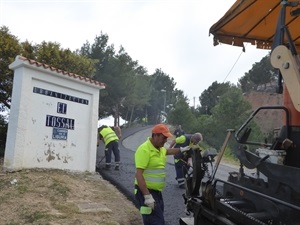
171	35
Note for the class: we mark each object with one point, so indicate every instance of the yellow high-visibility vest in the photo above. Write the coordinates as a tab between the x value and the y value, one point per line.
153	161
108	135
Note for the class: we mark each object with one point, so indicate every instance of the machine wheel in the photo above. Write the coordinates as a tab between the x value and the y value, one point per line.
193	181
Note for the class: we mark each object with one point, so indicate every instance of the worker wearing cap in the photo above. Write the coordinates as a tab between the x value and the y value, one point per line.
179	159
150	176
111	142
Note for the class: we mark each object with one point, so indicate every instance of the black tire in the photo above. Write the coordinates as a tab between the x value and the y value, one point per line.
193	183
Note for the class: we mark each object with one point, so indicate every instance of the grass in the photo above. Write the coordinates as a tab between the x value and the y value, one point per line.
12	223
65	208
60	188
44	197
35	216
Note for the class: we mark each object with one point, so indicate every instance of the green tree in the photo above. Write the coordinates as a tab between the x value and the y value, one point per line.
246	84
210	96
260	74
160	81
103	54
121	75
9	49
182	114
138	97
117	71
125	82
3	132
52	54
231	112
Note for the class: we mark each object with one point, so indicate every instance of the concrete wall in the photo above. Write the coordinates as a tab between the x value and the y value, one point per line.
53	119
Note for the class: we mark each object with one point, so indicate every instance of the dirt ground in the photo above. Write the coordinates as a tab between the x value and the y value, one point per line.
55	197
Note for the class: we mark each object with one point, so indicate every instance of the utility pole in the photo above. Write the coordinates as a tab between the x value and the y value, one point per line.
194	103
165	98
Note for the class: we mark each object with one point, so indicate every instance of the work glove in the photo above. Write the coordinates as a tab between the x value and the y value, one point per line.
184	149
149	201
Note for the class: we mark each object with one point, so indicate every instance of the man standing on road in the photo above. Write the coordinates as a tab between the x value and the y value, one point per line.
111	142
179	159
150	163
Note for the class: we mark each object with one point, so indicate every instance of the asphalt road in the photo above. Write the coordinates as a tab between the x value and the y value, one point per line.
124	178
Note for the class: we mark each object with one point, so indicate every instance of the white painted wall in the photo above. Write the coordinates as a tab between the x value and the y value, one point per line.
29	141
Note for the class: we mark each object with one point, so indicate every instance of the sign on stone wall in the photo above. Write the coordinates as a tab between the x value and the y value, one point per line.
60	122
60	95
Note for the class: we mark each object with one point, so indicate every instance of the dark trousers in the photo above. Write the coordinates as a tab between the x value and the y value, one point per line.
179	163
112	146
157	215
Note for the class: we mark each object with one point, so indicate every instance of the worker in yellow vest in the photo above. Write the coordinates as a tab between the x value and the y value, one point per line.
111	142
150	176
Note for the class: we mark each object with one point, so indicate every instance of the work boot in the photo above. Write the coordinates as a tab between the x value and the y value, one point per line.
117	168
181	186
107	167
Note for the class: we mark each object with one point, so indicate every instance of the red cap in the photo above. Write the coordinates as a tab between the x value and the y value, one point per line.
161	129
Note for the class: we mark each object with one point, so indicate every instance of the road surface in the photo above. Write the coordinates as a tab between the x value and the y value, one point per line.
124	179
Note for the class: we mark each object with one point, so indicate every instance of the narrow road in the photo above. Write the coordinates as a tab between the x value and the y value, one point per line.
124	179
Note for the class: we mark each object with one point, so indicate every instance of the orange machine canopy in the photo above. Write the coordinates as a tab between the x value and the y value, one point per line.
255	21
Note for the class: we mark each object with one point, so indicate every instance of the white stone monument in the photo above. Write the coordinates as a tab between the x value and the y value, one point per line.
53	119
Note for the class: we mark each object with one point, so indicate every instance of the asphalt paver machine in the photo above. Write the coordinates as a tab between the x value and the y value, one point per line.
272	196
